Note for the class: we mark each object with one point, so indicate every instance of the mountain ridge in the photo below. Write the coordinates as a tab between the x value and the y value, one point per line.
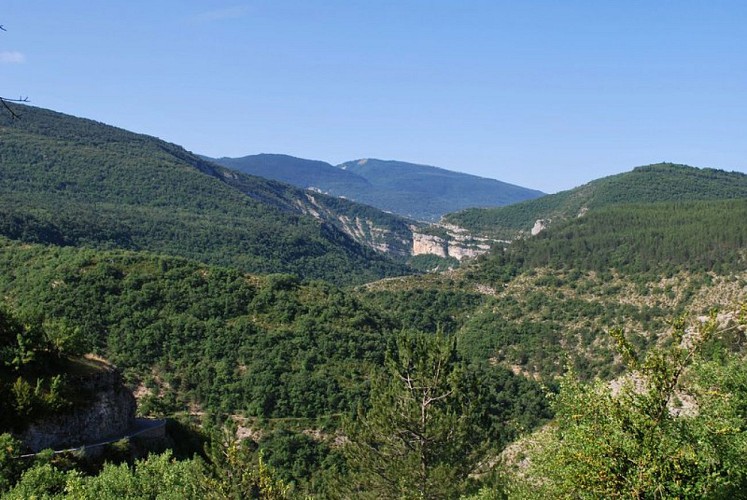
70	180
420	192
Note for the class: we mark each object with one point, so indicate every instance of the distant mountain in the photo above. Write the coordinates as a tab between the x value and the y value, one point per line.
71	181
415	191
663	182
298	172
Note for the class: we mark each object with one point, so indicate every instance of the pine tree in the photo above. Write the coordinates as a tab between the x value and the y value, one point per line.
424	432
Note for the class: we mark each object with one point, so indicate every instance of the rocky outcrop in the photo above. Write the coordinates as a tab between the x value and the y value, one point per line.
539	226
456	243
111	412
428	244
379	238
390	237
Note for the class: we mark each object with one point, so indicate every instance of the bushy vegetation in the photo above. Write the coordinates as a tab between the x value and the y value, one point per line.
37	359
641	440
267	346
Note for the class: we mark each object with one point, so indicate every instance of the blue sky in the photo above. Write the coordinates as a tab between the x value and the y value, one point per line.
544	94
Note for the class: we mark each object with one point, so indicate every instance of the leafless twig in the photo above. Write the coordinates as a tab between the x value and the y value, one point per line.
5	101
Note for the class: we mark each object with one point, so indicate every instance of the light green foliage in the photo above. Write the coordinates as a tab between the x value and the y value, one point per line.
422	435
42	481
32	382
236	472
635	443
63	339
158	476
23	398
10	467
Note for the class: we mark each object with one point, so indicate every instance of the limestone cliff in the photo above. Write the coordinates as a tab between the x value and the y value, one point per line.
428	244
452	241
392	235
109	411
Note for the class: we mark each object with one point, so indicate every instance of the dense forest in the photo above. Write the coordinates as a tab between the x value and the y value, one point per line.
659	238
212	338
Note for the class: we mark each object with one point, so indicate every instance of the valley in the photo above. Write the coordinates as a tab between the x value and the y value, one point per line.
287	333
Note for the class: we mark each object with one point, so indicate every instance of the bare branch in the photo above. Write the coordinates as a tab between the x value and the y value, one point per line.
5	101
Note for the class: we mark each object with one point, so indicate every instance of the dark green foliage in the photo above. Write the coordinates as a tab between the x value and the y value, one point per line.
432	263
427	309
10	466
515	405
301	461
70	181
269	346
656	238
650	184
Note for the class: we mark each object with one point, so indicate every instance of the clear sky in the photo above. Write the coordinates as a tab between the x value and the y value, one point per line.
544	94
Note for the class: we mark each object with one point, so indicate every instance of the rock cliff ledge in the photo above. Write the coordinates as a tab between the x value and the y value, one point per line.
109	410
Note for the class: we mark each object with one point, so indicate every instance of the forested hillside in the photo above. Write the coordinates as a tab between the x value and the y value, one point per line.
223	343
653	183
71	181
556	295
217	335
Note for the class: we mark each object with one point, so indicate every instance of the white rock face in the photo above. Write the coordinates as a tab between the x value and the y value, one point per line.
539	226
467	253
459	244
426	244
